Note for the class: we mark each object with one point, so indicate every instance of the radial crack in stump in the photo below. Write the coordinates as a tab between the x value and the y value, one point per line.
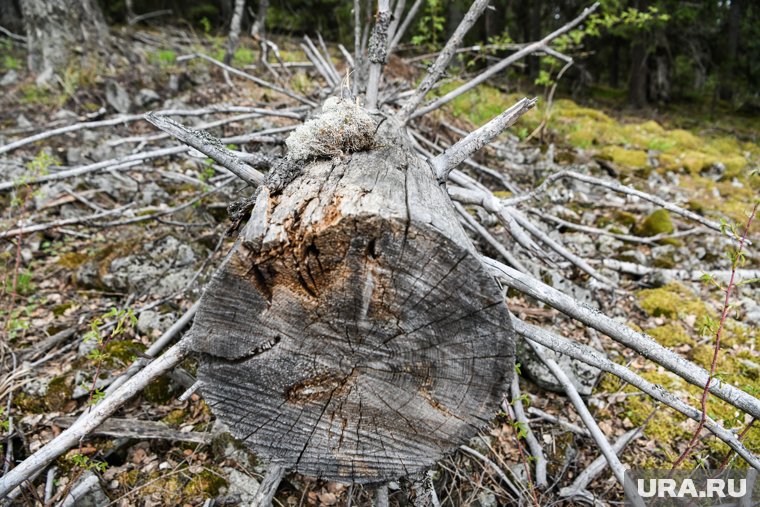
353	334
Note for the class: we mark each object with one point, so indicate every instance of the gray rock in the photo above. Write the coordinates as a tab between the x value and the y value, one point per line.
65	114
150	321
151	193
487	499
634	255
240	484
86	492
23	122
580	244
582	376
9	78
608	246
714	171
751	311
146	96
117	97
162	268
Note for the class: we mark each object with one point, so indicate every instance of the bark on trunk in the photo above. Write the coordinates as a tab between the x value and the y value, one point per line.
10	16
637	81
353	334
56	28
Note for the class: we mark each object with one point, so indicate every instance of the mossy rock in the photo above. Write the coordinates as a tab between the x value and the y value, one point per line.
29	404
122	352
159	391
672	301
206	483
58	394
659	222
671	335
625	158
72	260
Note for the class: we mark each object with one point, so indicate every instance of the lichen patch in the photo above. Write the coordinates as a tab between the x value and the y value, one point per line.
343	127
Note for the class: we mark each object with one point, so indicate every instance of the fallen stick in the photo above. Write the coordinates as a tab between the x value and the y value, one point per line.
268	486
559	422
594	358
596	433
93	418
136	428
639	342
579	485
244	75
530	438
209	146
139	117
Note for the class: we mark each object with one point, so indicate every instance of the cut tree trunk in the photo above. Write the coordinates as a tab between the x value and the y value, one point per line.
353	334
56	28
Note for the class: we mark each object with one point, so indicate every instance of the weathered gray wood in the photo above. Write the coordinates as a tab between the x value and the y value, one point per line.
355	336
136	428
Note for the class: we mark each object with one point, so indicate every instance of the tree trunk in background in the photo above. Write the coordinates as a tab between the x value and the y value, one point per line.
534	62
729	64
57	28
259	28
637	81
614	63
234	36
10	16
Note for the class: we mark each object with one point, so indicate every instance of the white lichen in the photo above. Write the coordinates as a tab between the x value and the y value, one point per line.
342	127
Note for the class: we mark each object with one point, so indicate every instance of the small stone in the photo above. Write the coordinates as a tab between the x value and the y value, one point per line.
146	96
582	376
23	122
65	114
9	78
241	484
117	97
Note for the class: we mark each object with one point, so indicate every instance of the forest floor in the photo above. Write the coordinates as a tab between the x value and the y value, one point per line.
70	291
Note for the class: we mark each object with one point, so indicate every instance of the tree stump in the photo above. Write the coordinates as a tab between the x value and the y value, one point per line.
353	334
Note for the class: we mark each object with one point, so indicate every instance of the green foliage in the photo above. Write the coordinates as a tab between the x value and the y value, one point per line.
243	56
659	222
430	29
162	57
87	463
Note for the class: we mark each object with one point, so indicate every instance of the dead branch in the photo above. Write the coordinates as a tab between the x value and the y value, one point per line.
639	342
378	53
209	146
444	58
530	438
444	163
92	419
245	75
495	69
593	358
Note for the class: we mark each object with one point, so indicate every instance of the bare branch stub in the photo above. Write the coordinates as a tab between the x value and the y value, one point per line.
354	335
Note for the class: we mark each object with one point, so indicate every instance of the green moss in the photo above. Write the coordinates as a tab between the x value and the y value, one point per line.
625	158
659	222
672	301
58	394
29	404
175	417
243	56
671	335
59	310
664	261
159	391
207	483
122	352
72	260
